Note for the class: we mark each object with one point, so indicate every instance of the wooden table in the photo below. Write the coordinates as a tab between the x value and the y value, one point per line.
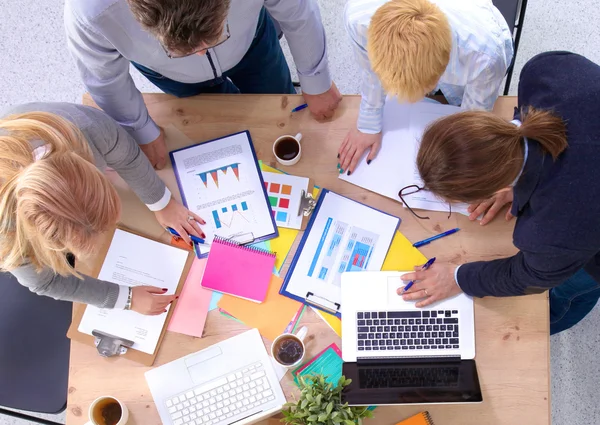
512	333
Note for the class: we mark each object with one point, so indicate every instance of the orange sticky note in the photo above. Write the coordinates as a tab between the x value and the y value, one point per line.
192	307
271	317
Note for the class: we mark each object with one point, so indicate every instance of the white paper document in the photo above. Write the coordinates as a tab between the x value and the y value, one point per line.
395	165
345	236
220	181
132	261
285	193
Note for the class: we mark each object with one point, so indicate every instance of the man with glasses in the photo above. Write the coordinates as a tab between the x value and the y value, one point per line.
189	47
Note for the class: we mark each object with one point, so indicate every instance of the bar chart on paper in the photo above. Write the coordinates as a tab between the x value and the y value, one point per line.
232	216
342	248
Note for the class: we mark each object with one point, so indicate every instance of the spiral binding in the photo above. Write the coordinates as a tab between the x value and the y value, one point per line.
233	244
428	418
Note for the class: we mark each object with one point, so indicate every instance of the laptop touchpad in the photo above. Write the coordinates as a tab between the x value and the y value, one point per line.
196	364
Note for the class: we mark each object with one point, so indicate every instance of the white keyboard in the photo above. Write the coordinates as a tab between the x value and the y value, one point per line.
241	391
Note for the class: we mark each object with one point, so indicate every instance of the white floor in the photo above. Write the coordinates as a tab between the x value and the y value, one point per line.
35	66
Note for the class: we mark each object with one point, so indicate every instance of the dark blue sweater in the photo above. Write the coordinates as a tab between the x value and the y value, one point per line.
557	203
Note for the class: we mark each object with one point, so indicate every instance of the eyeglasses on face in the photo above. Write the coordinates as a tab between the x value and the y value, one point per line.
176	55
411	190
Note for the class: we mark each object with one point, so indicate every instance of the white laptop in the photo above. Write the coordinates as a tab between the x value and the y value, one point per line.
230	382
396	353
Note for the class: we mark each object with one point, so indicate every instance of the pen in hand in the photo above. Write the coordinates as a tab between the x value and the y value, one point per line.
412	282
192	237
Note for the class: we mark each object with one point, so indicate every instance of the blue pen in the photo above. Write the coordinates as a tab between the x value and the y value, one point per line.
299	108
192	237
412	282
433	238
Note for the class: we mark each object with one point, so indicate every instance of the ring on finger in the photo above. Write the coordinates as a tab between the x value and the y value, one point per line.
190	218
426	294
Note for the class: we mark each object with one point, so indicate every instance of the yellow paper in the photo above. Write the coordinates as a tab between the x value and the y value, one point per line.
282	244
333	322
402	255
270	317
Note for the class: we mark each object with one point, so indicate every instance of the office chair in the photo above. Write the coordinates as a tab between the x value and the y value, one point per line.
514	13
34	351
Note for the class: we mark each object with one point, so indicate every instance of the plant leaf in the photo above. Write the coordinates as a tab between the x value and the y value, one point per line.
329	407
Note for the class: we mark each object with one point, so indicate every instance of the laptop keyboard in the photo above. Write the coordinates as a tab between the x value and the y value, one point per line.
406	377
407	330
230	395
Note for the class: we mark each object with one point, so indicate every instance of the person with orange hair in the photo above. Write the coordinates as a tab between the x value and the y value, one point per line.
410	48
55	201
543	166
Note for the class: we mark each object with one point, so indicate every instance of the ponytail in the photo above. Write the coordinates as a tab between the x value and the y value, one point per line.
545	128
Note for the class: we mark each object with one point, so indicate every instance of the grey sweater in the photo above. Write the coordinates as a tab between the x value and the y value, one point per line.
112	147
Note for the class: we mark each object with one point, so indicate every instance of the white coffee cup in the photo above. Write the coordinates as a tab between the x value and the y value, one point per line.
95	411
297	148
299	338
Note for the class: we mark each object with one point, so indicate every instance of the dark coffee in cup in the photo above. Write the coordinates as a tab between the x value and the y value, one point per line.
288	350
287	148
107	412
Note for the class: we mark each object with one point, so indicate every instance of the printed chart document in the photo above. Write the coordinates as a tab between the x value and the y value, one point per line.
133	260
395	165
285	193
343	236
220	181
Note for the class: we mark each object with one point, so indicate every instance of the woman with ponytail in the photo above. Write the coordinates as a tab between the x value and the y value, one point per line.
545	166
55	201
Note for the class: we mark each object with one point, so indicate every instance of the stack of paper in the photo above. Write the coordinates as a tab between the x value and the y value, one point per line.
394	167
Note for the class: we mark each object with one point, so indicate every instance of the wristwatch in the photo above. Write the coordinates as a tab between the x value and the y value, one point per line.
128	304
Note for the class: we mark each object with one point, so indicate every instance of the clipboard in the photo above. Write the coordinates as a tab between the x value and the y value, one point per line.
312	298
242	239
113	344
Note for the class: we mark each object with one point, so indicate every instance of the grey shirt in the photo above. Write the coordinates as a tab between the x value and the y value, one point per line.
104	37
112	147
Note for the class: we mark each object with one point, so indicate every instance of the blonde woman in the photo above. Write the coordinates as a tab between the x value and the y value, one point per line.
55	201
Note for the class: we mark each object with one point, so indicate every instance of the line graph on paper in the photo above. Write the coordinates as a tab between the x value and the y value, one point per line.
233	216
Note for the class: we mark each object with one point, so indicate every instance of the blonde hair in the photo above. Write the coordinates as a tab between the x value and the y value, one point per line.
409	44
54	205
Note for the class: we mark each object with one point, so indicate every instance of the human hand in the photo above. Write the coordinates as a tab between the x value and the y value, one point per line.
323	105
177	217
150	300
156	151
491	207
353	147
434	284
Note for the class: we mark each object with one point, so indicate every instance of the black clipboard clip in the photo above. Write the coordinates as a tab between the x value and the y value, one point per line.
109	345
307	204
325	304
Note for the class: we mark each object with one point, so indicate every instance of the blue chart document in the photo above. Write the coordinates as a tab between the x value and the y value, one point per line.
342	236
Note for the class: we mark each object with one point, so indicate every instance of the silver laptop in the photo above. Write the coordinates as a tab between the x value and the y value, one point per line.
396	353
230	382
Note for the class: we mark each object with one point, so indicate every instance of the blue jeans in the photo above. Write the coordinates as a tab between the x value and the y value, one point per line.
572	300
262	70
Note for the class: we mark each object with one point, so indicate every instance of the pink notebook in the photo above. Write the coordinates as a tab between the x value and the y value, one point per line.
241	271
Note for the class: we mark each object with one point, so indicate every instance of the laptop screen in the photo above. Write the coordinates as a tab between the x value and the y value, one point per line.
407	382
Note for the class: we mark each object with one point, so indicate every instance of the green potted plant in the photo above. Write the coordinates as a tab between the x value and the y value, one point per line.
320	403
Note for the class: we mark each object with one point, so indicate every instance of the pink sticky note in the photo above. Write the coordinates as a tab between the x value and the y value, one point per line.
190	313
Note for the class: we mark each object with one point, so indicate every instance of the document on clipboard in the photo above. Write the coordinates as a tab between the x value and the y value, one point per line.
342	236
133	260
220	180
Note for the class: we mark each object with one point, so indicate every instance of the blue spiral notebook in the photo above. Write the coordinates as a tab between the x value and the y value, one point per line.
342	236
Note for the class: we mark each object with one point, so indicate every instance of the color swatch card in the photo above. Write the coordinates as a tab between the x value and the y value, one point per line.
220	180
284	193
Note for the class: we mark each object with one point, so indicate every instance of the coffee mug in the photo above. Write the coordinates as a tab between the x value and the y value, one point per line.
288	349
287	149
107	410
